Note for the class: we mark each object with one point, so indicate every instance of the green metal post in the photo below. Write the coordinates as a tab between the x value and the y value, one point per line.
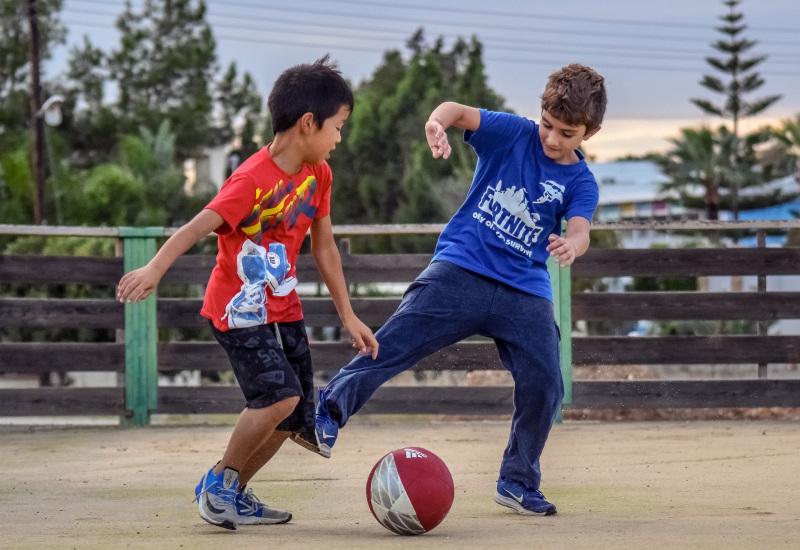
141	332
565	325
560	280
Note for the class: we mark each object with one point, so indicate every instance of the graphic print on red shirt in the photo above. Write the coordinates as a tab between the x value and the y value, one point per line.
262	204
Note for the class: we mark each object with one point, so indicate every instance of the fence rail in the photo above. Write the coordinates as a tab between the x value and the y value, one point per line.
141	356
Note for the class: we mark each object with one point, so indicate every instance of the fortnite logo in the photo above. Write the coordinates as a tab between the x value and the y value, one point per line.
510	214
411	453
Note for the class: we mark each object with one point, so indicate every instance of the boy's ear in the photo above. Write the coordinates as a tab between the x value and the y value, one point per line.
590	134
306	122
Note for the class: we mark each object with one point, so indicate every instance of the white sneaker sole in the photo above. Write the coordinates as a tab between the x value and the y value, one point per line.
225	524
322	449
514	505
251	520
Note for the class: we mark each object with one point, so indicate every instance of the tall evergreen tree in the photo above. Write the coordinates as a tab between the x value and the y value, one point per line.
383	169
165	66
741	78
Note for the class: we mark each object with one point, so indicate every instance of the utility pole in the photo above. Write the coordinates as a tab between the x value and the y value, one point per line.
37	122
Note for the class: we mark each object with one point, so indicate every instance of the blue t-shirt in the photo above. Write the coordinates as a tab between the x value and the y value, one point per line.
517	199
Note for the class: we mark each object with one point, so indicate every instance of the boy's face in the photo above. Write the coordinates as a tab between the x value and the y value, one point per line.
323	140
559	140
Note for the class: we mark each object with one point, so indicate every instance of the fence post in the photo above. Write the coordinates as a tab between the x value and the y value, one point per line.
762	326
560	279
141	332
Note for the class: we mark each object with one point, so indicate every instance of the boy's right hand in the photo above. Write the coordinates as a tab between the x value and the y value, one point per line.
437	139
137	285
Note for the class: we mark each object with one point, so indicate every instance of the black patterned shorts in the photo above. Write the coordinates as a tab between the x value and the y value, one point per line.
269	371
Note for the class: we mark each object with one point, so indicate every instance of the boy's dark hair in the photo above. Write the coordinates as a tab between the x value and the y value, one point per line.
317	88
576	95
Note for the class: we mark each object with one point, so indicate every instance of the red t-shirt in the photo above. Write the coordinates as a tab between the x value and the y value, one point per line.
262	203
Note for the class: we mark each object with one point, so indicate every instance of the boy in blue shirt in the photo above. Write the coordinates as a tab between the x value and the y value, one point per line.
489	276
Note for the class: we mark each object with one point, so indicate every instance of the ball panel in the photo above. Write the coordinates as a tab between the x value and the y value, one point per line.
388	500
428	482
432	501
410	490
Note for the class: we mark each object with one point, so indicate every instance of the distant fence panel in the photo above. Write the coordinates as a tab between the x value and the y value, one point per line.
36	358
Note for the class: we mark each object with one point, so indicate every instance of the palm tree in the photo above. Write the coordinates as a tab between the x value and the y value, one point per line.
788	136
698	163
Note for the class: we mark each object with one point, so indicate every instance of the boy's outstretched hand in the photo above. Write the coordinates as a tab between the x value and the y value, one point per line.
137	285
437	139
362	338
562	250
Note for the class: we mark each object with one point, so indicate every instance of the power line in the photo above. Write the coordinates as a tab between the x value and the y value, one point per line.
566	48
569	19
347	47
416	22
489	42
488	13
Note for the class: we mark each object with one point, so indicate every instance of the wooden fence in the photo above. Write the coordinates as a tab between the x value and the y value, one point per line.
138	356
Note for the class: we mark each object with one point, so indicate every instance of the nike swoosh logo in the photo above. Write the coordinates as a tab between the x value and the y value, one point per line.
211	507
326	436
515	497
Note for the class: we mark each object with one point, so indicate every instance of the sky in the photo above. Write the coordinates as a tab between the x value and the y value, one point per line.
652	54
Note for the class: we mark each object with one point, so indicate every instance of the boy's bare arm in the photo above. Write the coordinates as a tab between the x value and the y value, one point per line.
329	264
443	117
140	283
575	243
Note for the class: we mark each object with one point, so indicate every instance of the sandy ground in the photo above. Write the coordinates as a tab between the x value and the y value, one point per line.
617	485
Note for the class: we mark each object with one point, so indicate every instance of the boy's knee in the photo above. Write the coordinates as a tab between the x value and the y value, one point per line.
546	385
285	407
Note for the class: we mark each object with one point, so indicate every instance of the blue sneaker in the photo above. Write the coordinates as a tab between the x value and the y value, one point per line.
324	435
216	498
326	427
525	501
252	511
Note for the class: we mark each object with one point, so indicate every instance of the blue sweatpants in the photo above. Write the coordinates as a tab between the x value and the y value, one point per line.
445	305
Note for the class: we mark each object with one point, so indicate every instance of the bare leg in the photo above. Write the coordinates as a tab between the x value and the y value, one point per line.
261	456
253	429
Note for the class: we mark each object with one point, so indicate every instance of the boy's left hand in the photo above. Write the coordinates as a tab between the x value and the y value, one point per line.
562	250
362	338
437	139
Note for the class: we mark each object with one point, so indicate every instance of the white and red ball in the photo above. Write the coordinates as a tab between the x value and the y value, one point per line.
410	491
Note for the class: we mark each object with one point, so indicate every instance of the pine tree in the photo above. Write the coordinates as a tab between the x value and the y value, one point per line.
741	79
165	68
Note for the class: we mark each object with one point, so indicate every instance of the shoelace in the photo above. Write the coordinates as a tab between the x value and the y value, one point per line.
224	497
252	502
251	499
253	298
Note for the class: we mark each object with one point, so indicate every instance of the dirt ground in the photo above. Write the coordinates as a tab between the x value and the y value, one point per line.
725	484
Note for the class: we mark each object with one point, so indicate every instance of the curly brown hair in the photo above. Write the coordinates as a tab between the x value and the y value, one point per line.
576	95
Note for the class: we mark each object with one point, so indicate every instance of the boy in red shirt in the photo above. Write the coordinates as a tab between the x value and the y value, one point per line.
261	216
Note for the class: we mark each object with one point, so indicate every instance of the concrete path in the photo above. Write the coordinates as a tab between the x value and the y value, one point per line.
643	485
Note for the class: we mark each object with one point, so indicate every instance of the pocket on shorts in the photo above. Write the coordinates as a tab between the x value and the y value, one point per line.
558	331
